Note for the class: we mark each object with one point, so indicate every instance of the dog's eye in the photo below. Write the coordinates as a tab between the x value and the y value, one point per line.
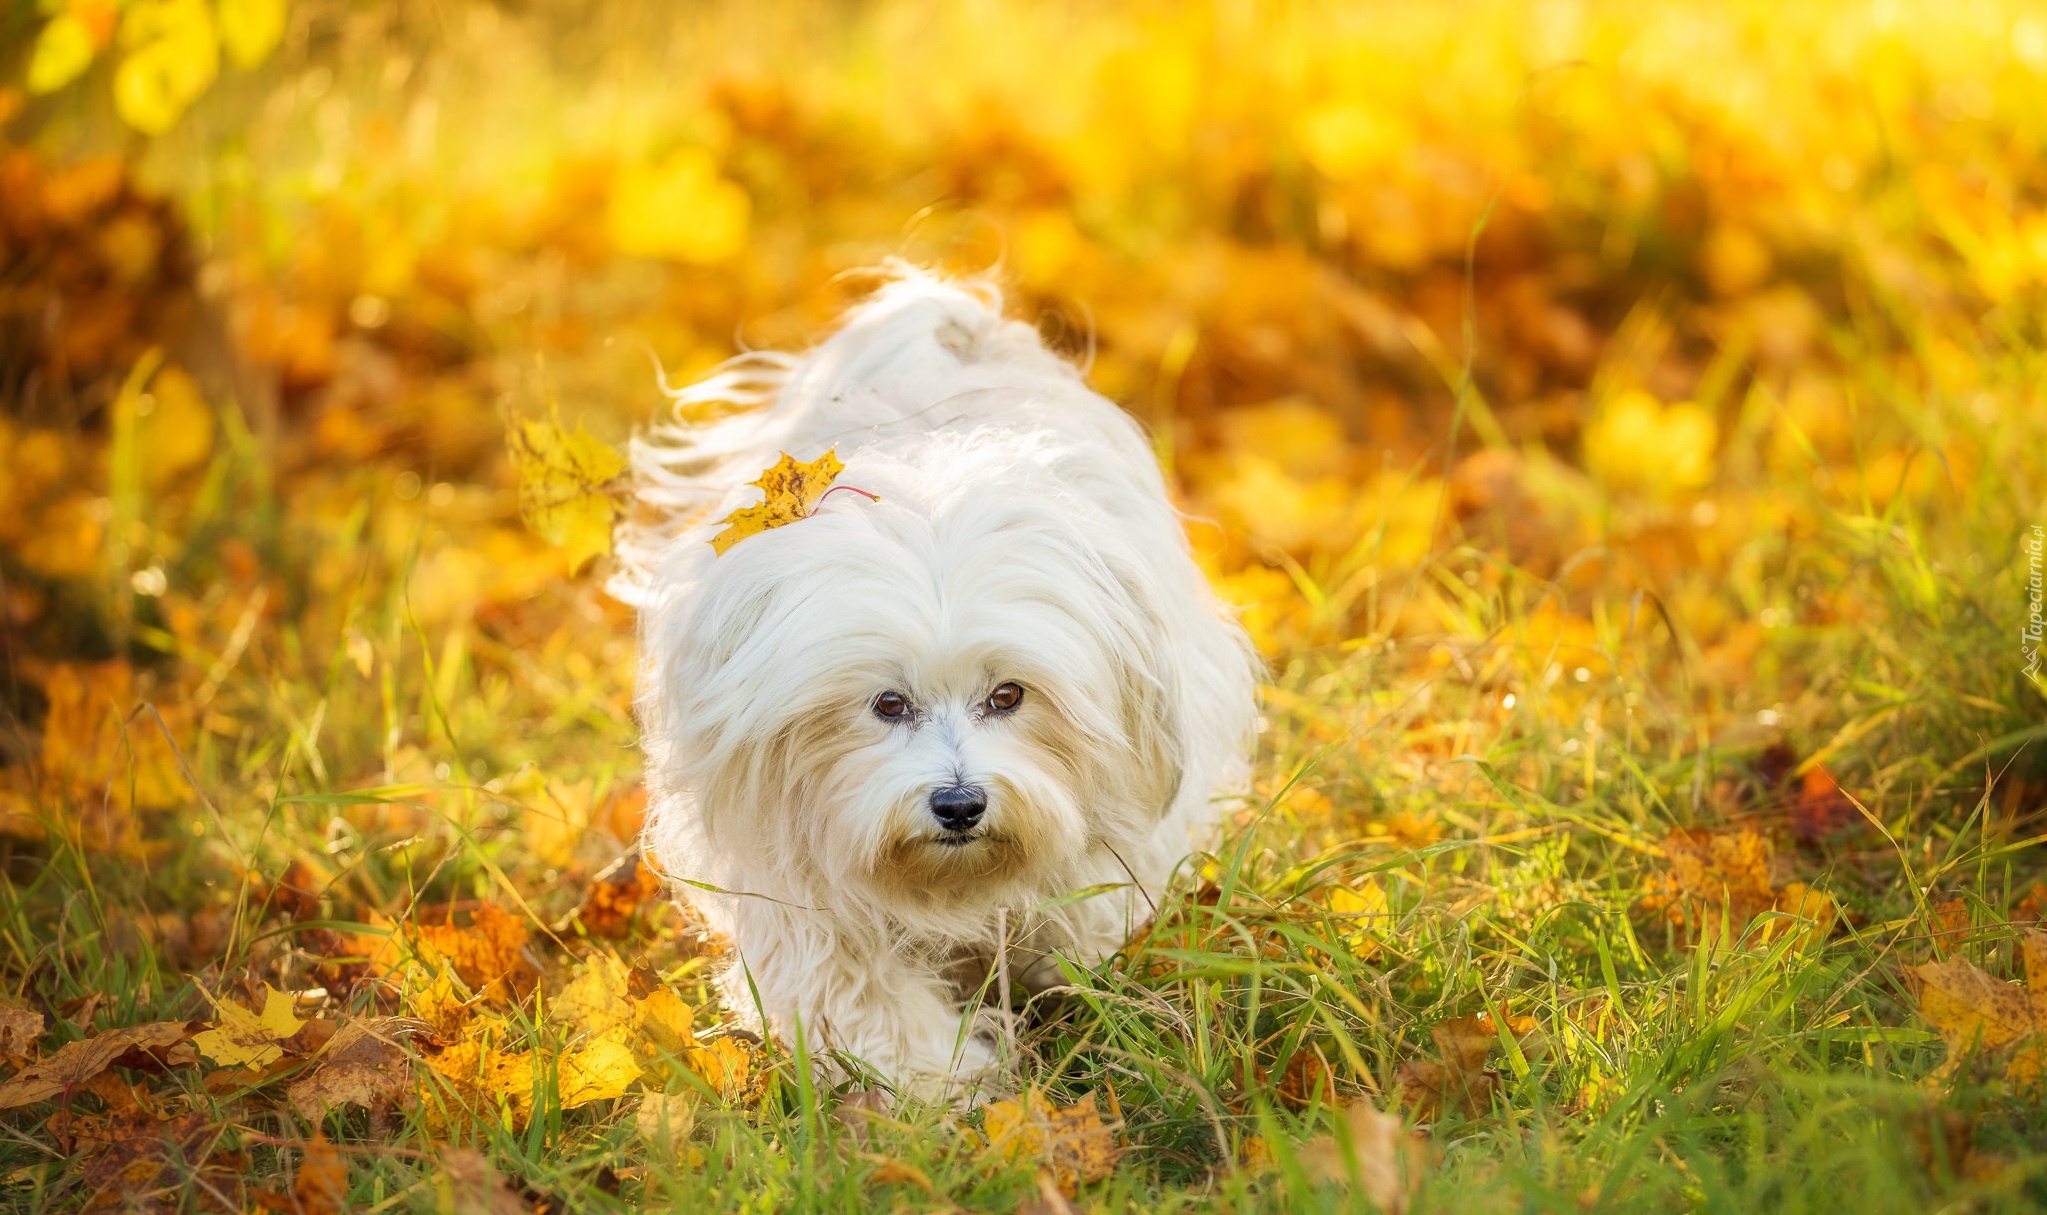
892	705
1004	698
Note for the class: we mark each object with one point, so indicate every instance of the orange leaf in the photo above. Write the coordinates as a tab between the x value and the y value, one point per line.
1983	1017
793	489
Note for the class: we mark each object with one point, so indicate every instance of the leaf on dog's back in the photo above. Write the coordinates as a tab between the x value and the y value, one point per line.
564	485
793	488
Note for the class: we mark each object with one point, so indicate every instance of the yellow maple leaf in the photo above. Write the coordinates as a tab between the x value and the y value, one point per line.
664	1022
680	209
245	1038
485	1078
565	482
173	56
597	1070
724	1065
793	489
1980	1015
64	49
595	1002
1072	1141
1635	441
251	29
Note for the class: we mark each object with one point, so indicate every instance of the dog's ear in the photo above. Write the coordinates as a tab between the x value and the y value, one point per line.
1152	717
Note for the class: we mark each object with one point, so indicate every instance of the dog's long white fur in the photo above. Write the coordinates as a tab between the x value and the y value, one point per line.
1023	534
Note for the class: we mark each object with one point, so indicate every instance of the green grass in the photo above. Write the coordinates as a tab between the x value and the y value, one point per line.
377	682
1764	1074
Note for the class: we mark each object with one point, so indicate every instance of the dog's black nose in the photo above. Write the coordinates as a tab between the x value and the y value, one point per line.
959	807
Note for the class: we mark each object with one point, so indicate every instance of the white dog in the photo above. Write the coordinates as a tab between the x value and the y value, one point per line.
892	732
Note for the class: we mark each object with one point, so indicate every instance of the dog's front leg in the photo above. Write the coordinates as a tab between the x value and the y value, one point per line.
891	1011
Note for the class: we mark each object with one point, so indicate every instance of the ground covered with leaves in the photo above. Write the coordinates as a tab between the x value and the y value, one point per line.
1622	429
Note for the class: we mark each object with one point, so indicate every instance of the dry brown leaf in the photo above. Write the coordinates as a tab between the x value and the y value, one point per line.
77	1062
1381	1158
153	1166
1306	1080
1461	1079
20	1030
793	489
474	1188
321	1188
890	1171
1072	1141
1983	1018
361	1065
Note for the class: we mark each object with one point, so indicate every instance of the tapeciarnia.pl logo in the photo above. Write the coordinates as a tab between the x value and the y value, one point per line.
2029	644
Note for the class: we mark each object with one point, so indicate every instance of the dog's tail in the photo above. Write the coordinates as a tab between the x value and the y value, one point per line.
911	345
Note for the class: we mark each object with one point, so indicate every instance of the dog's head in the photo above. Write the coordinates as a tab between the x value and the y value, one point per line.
936	701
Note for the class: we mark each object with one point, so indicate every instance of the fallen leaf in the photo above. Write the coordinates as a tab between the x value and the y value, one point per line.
250	29
1822	809
664	1121
1634	441
485	1079
362	1065
20	1030
793	489
1072	1141
489	955
1381	1158
1460	1078
1363	913
724	1065
595	1071
321	1188
1306	1080
565	481
1986	1020
1716	882
664	1022
596	1001
63	50
1048	1200
153	1166
173	55
681	209
615	897
890	1171
243	1038
469	1186
77	1062
1255	1154
91	745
